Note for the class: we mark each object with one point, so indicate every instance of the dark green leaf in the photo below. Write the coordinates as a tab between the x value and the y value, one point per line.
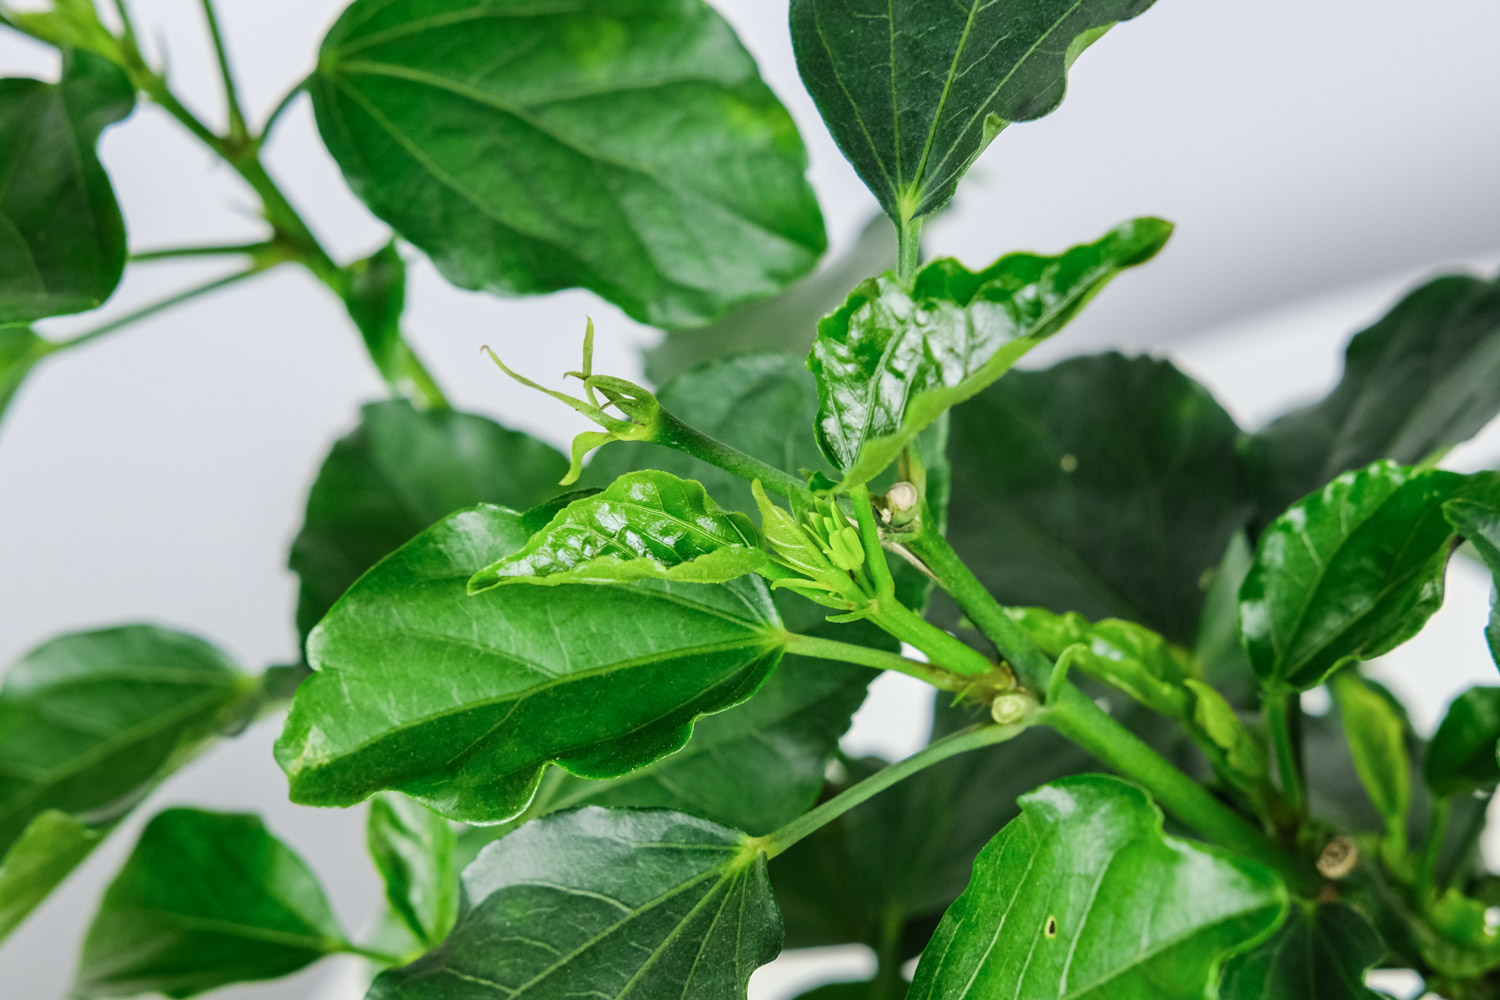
90	722
1479	523
62	240
398	473
631	905
1321	953
414	850
1105	485
1084	897
645	525
893	358
1376	733
1461	756
375	298
1419	380
462	701
629	149
1350	572
48	850
206	899
1218	649
913	91
20	349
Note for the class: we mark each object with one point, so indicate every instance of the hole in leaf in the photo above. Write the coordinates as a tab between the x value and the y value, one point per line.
1051	929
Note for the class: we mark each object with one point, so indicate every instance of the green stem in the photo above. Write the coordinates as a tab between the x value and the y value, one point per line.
673	433
1288	760
1076	717
944	650
373	954
1432	848
236	114
960	742
869	536
845	652
280	109
908	249
154	308
176	253
122	9
1033	666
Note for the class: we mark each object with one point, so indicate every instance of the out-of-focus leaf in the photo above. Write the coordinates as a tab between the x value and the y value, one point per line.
48	850
414	850
1322	952
1461	756
1479	523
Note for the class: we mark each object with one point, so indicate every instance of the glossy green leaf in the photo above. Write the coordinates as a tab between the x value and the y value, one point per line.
48	850
632	150
205	900
90	722
1321	953
645	525
1122	654
1084	897
623	904
1376	733
1479	523
1461	756
1215	718
20	350
415	850
1418	381
914	91
62	240
601	680
893	358
398	473
1350	572
1105	485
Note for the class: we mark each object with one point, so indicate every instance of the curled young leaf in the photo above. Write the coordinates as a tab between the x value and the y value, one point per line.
645	525
205	900
626	904
892	359
1350	572
631	149
462	701
913	91
1124	655
62	239
1083	896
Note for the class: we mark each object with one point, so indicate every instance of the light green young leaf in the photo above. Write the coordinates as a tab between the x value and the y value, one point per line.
1461	756
626	904
205	900
399	472
20	350
913	91
1084	897
462	702
645	525
1349	572
1419	380
1217	719
375	299
62	239
414	849
1322	952
893	359
1479	523
629	149
1376	733
48	850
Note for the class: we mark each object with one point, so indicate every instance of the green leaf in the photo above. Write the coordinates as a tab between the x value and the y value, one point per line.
414	850
20	350
1084	897
1420	380
1479	523
48	850
913	91
1321	953
632	150
645	525
1349	572
375	299
1377	741
894	358
62	240
205	900
1216	718
399	472
90	722
601	680
1105	485
611	903
1461	756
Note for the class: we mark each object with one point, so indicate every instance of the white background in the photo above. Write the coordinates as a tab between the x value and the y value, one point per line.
1304	147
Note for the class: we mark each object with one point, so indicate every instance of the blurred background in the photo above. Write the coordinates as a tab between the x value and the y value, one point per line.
1318	156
